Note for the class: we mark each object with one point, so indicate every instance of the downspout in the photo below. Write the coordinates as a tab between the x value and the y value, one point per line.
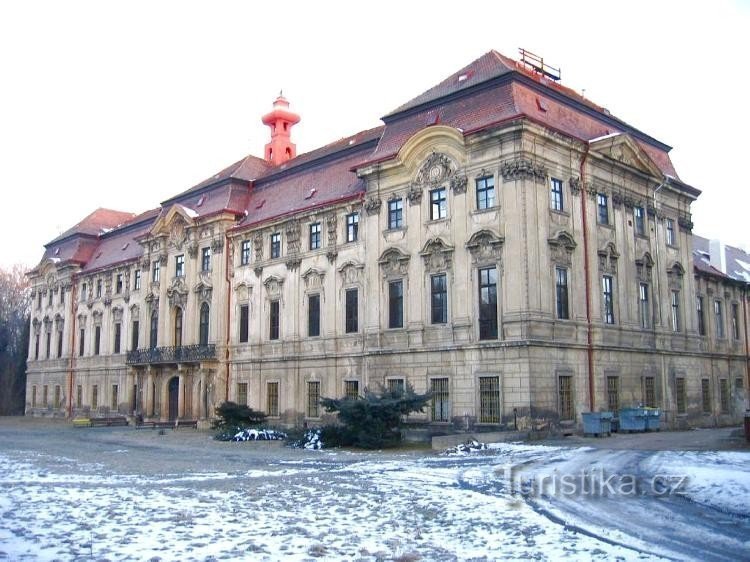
72	347
747	349
229	309
587	276
657	296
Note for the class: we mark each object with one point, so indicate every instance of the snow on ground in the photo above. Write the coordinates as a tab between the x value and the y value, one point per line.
339	505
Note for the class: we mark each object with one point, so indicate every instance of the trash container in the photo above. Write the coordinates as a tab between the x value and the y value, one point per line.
653	419
633	419
747	425
597	423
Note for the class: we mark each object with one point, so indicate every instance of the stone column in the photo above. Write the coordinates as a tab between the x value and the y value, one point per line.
181	395
149	409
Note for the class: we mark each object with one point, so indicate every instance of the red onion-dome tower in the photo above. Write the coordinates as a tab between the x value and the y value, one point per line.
281	120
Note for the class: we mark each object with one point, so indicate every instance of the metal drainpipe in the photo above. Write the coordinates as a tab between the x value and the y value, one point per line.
587	276
747	349
72	347
657	294
229	308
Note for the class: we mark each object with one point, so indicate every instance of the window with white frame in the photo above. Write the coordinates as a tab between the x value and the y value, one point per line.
557	202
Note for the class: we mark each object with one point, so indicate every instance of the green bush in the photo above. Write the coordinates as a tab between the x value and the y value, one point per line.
373	420
231	416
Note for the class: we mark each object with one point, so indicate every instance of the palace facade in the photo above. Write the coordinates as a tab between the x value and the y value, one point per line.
500	241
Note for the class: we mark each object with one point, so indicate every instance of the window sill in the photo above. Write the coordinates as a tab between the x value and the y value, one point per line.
438	221
486	211
561	213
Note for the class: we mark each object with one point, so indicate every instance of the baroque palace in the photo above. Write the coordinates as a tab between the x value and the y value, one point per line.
500	241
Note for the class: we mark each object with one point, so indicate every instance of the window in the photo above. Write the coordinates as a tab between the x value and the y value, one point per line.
39	299
179	266
272	399
438	204
45	395
706	396
675	310
701	316
565	397
395	214
719	316
245	252
395	385
81	340
33	396
643	305
95	396
489	399
118	283
640	225
244	323
315	236
36	347
440	410
58	394
608	300
83	292
556	195
118	334
485	193
488	303
649	392
242	393
352	311
613	394
602	209
313	316
155	271
396	304
115	401
313	399
561	293
97	339
275	245
178	327
204	324
98	288
79	396
62	296
134	334
49	297
206	259
60	342
671	240
137	279
273	333
439	298
352	227
724	395
154	335
351	390
735	321
48	347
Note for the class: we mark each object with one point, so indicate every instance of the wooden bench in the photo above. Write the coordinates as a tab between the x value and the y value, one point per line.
118	421
81	422
186	423
155	425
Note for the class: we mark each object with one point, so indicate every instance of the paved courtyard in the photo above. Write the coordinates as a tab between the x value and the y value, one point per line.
122	494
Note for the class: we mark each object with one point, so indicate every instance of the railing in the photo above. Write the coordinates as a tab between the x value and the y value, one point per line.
177	354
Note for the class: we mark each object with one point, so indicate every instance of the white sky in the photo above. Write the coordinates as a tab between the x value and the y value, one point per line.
124	104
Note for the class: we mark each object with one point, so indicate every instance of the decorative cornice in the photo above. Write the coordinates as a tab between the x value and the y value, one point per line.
522	168
372	205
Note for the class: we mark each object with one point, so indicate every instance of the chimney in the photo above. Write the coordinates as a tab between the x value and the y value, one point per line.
717	255
280	120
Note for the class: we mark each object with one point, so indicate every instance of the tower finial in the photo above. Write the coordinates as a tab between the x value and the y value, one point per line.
280	120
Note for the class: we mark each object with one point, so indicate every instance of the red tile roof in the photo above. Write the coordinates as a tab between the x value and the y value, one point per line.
247	169
96	223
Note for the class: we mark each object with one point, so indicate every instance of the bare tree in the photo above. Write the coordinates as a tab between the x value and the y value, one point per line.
15	303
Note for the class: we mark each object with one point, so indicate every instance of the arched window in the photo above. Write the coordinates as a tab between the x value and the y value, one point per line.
154	328
178	327
204	324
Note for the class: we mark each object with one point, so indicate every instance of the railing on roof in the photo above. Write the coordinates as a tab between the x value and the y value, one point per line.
172	354
537	63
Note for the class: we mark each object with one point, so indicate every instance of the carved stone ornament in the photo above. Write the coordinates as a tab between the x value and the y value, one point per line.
685	223
135	311
331	223
651	210
96	316
313	278
575	185
437	169
293	262
608	259
163	258
177	233
177	293
523	168
351	272
258	270
394	263
204	290
437	255
592	191
485	247
273	286
459	183
292	237
145	263
372	205
332	254
117	313
192	249
617	200
643	267
414	194
674	275
561	248
217	246
258	245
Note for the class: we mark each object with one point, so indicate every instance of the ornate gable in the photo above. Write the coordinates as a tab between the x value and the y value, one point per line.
622	148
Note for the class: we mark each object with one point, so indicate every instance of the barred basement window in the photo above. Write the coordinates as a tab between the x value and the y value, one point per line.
395	385
613	394
565	397
706	396
489	399
115	398
79	396
440	410
57	396
649	392
724	395
272	399
242	393
351	389
313	399
95	397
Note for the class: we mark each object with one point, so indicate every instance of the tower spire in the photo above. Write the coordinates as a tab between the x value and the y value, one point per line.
280	120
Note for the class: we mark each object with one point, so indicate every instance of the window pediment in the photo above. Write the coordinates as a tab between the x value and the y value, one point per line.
437	255
485	247
394	263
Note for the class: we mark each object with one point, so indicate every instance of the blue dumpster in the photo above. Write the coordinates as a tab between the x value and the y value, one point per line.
653	419
597	423
633	419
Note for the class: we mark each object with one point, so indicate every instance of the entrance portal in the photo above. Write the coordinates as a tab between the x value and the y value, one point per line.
174	393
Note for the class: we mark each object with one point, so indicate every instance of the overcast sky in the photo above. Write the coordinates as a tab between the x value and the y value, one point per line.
123	104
